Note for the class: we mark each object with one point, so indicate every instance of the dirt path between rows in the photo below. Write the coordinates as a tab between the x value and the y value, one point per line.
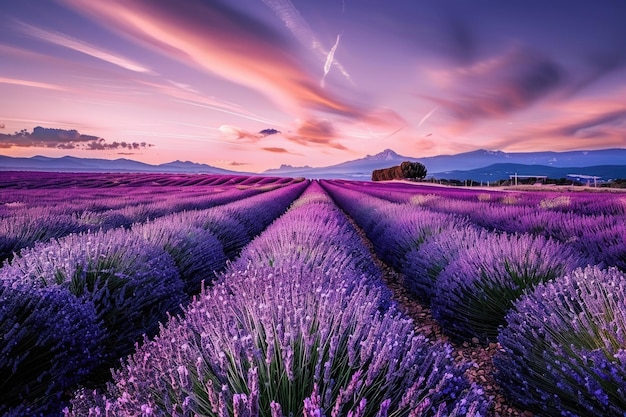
481	371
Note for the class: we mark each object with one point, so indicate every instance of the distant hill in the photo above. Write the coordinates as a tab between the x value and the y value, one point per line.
480	165
73	164
503	171
444	165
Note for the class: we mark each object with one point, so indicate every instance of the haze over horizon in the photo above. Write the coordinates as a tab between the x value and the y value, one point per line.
252	84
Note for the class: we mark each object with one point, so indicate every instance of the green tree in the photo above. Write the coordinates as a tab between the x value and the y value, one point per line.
412	170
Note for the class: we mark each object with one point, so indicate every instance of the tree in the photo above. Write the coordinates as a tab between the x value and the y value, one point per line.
413	170
406	170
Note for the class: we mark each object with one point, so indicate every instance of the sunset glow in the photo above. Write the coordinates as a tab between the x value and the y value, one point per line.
249	85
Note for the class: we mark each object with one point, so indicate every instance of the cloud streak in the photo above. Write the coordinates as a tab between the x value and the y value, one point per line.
427	116
590	124
330	59
280	150
85	48
220	40
593	126
498	86
291	17
29	83
42	137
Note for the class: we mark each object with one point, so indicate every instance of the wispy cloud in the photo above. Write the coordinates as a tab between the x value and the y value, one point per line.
291	17
330	58
581	124
427	116
83	47
497	86
240	113
186	94
42	137
35	84
219	39
594	125
238	164
280	150
239	133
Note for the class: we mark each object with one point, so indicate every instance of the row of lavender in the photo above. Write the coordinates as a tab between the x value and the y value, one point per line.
37	214
71	307
562	328
301	324
594	223
60	180
581	202
98	192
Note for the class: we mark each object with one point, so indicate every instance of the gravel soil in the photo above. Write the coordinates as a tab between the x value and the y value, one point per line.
482	369
481	357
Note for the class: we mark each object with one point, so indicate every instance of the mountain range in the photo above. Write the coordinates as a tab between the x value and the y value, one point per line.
479	165
73	164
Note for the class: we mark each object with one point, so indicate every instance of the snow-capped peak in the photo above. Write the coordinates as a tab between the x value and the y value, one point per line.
386	155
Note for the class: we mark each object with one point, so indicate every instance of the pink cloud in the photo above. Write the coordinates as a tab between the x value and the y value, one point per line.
584	124
245	135
220	40
29	83
314	132
498	86
85	48
276	150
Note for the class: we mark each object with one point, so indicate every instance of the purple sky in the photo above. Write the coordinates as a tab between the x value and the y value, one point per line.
252	84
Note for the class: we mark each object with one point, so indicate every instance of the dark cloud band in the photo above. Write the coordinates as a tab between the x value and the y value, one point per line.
42	137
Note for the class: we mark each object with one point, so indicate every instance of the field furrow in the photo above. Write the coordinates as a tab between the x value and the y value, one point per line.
258	296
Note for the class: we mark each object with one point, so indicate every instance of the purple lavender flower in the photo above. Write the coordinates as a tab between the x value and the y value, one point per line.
237	324
422	266
474	292
564	346
237	223
314	232
197	252
312	337
33	225
49	343
394	229
131	283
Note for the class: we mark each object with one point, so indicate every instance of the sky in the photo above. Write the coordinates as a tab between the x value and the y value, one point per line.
249	85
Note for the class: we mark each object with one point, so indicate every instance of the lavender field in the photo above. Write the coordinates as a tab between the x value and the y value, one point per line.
210	295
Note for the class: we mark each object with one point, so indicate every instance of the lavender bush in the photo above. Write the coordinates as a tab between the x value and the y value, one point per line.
237	223
277	341
564	346
401	228
597	234
315	234
474	292
228	230
301	337
197	252
49	342
132	284
257	212
422	265
394	229
33	225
